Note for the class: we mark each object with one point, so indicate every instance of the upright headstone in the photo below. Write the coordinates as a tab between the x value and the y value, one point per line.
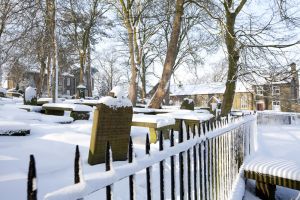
112	122
2	92
187	104
30	96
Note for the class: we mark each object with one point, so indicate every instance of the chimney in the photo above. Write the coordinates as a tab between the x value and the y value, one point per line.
295	81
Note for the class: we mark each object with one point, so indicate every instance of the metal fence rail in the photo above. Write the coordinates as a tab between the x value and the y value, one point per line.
202	163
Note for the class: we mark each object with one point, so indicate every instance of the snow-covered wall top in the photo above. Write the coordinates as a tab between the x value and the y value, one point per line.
30	93
74	107
208	88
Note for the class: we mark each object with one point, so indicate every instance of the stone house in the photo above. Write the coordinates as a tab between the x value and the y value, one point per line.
279	95
66	82
209	95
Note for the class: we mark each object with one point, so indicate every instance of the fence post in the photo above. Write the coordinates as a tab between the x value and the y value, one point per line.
181	163
131	177
77	166
148	170
108	162
173	186
161	168
31	180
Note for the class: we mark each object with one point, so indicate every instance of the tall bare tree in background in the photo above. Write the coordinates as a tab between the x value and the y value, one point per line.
130	12
20	14
51	28
171	55
80	23
109	72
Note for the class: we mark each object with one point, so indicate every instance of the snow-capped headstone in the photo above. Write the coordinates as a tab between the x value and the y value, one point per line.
112	122
30	96
2	92
187	104
118	92
81	91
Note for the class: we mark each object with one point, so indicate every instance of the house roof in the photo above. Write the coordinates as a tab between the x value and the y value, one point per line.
207	88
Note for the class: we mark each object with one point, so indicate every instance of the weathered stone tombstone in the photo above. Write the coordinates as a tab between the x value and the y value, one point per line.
187	104
2	92
81	91
30	96
112	122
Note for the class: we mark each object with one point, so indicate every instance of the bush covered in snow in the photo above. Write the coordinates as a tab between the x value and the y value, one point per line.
30	96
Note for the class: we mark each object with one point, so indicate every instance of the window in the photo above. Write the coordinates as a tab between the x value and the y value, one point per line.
259	90
276	105
68	81
68	92
60	81
244	102
275	90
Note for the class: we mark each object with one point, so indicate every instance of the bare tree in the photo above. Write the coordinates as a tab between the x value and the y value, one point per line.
109	72
80	22
170	56
240	35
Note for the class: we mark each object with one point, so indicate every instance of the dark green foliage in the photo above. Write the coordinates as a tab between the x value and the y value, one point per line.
77	115
187	104
32	102
15	133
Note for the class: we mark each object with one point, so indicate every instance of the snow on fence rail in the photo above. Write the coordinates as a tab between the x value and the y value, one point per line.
200	163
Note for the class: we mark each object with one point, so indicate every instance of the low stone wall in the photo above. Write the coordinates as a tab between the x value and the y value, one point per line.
277	118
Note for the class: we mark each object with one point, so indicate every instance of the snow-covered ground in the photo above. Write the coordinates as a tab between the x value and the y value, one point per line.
53	146
280	143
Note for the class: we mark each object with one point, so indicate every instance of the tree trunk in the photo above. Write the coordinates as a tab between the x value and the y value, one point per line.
41	78
233	57
49	75
167	96
133	68
88	72
143	80
82	62
170	57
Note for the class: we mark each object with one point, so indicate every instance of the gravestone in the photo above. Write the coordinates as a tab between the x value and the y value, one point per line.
187	104
30	96
2	92
112	122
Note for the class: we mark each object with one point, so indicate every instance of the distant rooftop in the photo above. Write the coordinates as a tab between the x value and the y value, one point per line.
205	88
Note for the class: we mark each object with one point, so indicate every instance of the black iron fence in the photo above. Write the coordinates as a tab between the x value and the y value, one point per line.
200	162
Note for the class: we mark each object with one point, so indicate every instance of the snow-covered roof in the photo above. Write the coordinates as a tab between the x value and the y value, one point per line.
206	88
67	74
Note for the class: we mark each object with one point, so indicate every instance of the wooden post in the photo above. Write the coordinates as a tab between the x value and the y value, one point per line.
265	190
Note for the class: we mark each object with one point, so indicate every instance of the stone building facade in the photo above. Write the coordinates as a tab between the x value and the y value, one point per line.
66	82
211	94
281	95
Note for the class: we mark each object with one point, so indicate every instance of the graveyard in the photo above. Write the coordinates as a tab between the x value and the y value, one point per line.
149	99
81	158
